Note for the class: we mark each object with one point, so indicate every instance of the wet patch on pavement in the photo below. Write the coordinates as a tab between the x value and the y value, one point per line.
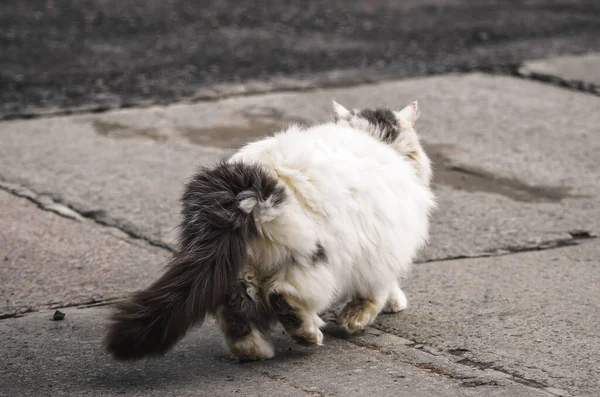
474	179
119	130
258	122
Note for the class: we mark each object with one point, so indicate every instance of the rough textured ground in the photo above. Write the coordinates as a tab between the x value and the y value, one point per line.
517	179
68	54
64	358
48	260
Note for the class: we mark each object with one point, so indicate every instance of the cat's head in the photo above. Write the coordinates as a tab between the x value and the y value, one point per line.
384	124
392	127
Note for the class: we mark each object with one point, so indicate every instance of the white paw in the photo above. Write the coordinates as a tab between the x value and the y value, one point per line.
318	337
396	303
310	336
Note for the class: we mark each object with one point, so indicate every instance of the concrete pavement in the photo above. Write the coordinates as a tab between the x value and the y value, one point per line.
64	359
517	178
51	261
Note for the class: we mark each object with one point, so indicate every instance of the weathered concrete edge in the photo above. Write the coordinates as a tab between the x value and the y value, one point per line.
528	71
295	83
299	83
575	85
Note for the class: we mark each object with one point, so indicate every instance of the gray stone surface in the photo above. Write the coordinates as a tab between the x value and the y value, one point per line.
584	68
50	358
511	172
533	314
133	183
47	260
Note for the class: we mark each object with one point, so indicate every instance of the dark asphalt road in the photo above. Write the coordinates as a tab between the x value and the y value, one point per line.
70	53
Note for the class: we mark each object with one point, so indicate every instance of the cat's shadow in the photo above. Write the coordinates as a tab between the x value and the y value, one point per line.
198	359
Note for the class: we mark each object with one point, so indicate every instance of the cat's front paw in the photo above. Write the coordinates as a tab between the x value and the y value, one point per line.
357	314
308	337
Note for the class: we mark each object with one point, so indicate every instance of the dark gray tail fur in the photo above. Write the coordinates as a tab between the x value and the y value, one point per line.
204	270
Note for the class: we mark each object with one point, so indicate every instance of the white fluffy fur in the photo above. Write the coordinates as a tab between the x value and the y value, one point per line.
364	201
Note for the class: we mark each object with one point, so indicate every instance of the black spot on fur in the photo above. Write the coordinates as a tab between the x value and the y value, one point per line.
319	256
385	120
241	313
203	272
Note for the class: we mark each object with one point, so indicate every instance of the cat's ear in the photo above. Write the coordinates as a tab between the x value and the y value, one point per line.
340	112
408	116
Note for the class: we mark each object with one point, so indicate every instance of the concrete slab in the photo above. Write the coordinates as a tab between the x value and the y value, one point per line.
47	260
579	68
512	172
535	315
63	358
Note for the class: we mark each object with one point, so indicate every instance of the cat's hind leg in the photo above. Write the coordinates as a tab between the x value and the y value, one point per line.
299	322
245	322
360	312
396	301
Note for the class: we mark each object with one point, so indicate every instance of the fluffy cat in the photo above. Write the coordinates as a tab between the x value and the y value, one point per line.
288	227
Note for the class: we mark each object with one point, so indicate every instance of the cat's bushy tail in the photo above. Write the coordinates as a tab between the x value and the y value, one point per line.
222	209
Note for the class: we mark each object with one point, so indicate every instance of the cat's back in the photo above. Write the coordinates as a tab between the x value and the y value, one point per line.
342	153
330	167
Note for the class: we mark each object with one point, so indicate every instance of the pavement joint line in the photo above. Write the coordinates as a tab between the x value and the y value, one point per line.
47	202
347	78
471	363
543	245
55	306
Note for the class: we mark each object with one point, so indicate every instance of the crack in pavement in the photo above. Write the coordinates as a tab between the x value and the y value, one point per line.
487	368
577	237
92	302
47	202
